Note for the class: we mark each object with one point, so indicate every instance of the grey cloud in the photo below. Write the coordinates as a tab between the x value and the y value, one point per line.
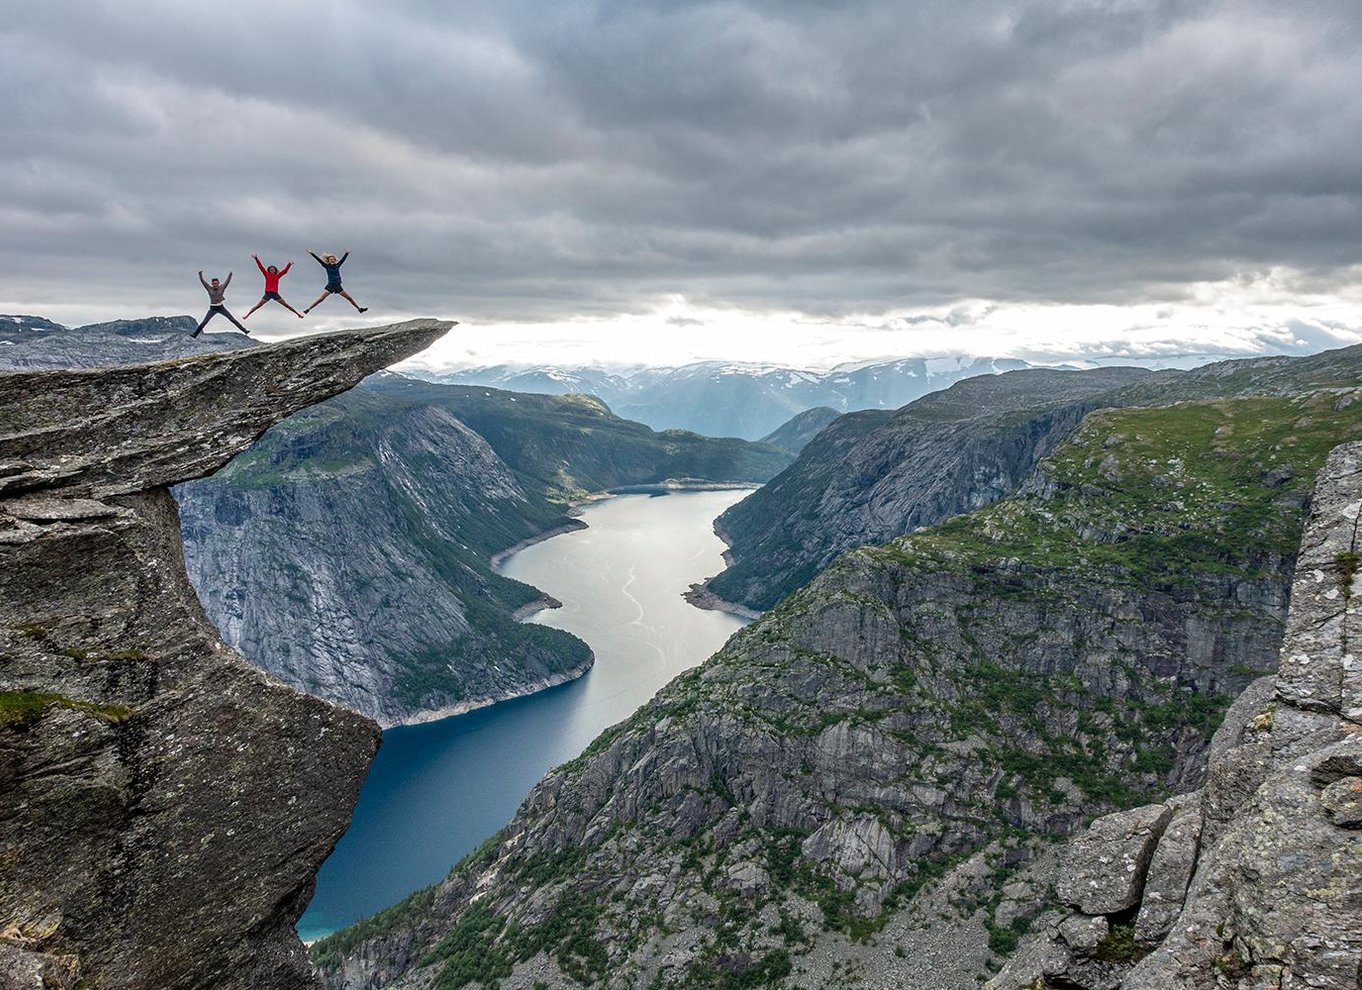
530	160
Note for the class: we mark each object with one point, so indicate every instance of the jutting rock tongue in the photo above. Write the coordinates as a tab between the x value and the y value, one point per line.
164	806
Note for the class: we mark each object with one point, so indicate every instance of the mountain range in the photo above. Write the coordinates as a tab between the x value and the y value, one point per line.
721	399
1101	732
886	779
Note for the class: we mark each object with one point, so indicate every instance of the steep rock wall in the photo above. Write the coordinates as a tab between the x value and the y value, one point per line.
163	804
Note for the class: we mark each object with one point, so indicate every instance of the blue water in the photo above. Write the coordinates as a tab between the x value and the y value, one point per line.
437	791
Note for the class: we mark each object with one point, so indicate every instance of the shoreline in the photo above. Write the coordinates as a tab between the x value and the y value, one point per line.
568	526
698	595
544	603
429	715
701	596
668	485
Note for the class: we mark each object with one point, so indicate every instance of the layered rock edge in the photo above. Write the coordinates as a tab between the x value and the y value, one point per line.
164	805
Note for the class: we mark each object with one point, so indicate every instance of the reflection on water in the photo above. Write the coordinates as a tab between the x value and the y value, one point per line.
436	791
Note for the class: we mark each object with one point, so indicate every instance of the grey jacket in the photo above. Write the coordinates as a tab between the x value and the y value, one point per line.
216	294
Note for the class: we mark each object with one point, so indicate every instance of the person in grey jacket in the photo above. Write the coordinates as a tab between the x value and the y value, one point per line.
217	295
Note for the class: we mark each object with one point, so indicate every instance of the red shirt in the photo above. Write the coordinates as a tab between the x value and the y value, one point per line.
272	278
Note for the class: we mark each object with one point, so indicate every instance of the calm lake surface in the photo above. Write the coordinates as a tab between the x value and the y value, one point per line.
437	791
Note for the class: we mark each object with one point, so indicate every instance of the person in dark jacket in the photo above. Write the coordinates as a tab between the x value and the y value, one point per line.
217	306
332	264
272	277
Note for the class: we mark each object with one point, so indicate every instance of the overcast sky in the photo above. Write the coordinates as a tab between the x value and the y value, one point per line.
803	182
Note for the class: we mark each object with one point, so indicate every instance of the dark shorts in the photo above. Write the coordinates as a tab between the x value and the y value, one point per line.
271	295
332	286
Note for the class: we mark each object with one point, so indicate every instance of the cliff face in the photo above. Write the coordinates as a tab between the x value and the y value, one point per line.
872	476
348	552
1256	880
863	787
163	804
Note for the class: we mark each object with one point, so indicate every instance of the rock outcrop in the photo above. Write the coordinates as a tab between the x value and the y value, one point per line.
1256	881
163	804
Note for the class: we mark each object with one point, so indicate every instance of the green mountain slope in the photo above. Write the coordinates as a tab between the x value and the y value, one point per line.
573	444
778	816
349	551
872	478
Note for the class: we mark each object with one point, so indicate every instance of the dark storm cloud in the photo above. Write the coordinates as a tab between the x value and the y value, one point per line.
532	160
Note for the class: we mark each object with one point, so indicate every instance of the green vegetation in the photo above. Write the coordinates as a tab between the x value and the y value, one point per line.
1158	498
1120	946
1347	561
328	952
19	709
482	948
738	971
1003	940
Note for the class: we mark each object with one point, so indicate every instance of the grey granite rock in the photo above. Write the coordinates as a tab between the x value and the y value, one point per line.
1104	868
1272	844
1277	900
1170	870
1084	933
163	805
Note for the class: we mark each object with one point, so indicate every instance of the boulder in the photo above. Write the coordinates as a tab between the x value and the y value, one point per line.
1104	869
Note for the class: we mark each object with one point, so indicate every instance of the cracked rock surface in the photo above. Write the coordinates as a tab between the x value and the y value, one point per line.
164	806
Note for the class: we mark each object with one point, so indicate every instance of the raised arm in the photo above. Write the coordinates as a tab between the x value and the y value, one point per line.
227	281
258	264
317	258
284	271
203	281
343	257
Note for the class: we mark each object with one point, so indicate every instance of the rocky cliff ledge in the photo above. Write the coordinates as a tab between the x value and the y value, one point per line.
1254	881
163	805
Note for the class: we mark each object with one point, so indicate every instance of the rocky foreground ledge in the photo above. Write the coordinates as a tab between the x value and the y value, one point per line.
164	806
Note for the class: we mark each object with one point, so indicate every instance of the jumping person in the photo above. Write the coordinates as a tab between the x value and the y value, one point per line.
217	293
272	277
332	264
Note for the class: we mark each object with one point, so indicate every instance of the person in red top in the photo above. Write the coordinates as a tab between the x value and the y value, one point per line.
272	277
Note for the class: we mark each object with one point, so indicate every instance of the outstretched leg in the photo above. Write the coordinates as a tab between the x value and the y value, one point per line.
362	309
281	302
204	322
325	293
235	322
262	302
